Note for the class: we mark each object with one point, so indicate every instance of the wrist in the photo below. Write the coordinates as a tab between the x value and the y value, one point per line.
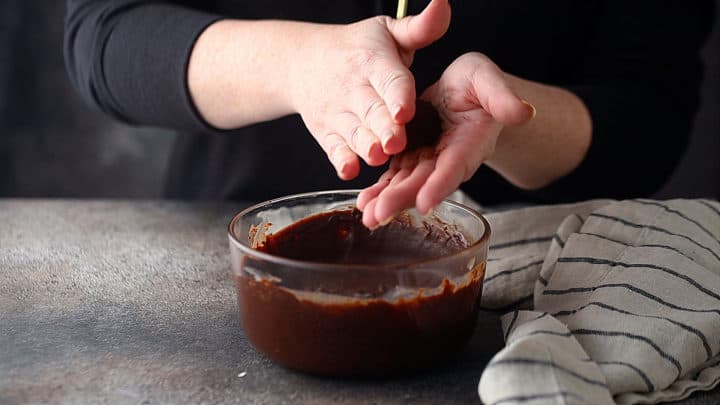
307	55
549	146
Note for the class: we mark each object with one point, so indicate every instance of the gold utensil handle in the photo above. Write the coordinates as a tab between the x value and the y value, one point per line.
401	9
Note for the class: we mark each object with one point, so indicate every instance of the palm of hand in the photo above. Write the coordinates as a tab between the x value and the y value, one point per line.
356	93
468	97
344	103
423	177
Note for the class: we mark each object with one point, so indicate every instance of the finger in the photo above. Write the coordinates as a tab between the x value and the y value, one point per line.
401	175
373	191
401	195
370	193
360	139
375	116
395	85
368	218
341	156
447	177
394	174
419	31
456	163
496	97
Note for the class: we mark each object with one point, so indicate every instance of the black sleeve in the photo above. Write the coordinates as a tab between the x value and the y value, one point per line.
129	58
640	78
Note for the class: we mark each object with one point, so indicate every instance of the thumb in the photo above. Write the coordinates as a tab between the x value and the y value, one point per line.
507	108
418	31
492	89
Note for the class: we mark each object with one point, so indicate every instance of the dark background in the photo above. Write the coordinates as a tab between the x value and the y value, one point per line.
53	145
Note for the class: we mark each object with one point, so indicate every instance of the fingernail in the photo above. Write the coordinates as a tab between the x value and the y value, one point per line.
373	149
386	138
386	221
380	224
532	108
427	213
395	111
393	144
371	227
389	219
342	169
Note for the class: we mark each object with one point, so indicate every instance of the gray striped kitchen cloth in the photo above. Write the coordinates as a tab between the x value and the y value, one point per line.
605	302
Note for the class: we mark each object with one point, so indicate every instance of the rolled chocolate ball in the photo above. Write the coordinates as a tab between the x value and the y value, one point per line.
425	128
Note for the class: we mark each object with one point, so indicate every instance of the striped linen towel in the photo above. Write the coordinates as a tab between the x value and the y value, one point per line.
605	302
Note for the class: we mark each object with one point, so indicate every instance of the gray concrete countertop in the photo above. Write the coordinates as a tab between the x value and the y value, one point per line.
133	302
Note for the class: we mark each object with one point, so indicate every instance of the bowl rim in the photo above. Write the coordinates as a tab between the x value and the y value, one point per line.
322	266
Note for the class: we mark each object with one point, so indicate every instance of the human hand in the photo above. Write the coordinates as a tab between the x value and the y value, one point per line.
354	91
475	102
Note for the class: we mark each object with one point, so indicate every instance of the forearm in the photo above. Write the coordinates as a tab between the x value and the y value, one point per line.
168	65
240	71
129	58
549	146
640	119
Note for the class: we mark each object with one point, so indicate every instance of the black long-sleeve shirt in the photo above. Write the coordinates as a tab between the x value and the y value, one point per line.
635	64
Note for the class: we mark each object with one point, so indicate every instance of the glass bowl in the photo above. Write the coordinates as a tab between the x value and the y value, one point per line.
364	318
